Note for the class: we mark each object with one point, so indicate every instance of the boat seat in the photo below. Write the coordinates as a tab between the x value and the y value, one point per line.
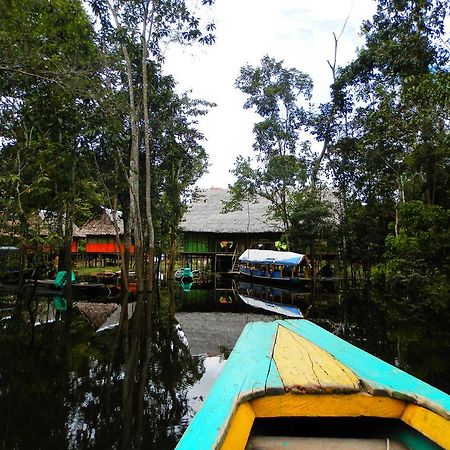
319	443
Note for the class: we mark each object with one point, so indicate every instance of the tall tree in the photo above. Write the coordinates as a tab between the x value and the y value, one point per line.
136	30
49	65
279	163
391	106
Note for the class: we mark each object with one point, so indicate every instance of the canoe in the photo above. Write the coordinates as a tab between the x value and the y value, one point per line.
291	384
79	288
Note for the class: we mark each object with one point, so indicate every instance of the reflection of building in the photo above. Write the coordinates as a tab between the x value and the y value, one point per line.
215	239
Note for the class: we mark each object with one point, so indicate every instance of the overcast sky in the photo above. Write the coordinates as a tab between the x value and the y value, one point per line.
299	32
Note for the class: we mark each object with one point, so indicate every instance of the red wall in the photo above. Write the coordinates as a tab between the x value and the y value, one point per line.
108	247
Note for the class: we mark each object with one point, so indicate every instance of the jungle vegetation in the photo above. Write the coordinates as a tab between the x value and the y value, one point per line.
87	118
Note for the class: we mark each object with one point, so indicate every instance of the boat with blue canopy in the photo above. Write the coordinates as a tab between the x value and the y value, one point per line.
274	266
290	384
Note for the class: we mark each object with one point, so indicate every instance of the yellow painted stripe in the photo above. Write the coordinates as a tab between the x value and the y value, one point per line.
322	405
239	429
305	367
428	423
423	420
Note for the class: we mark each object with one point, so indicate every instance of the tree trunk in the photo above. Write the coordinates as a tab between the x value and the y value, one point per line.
68	233
135	211
148	166
134	179
172	254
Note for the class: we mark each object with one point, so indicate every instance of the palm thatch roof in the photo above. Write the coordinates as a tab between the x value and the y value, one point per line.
205	215
103	224
77	232
43	223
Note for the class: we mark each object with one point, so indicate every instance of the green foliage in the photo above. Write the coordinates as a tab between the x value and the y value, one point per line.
65	113
44	42
417	257
50	65
274	92
389	139
312	219
180	159
279	164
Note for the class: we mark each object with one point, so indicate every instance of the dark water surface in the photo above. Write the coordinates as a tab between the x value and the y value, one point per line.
87	379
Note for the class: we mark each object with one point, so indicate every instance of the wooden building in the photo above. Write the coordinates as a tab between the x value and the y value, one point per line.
96	240
213	239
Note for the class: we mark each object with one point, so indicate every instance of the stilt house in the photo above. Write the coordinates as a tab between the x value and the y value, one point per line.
214	239
98	241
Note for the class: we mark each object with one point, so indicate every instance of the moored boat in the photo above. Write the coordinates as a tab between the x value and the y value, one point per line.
291	384
81	288
274	266
58	286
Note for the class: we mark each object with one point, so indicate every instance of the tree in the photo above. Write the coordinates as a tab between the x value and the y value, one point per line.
416	259
135	30
179	160
279	164
389	141
312	215
50	68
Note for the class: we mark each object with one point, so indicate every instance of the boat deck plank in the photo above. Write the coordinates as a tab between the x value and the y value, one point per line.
378	377
310	443
304	367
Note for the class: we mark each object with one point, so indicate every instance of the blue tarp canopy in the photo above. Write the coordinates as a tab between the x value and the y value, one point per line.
271	257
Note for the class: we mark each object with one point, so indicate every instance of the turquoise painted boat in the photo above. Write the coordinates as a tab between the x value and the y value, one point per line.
290	384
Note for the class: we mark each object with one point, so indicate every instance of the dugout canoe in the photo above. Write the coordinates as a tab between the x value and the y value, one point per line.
290	384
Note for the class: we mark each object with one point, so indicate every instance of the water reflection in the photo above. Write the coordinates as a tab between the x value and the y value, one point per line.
133	372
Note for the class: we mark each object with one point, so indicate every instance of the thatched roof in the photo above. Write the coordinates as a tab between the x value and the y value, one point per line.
41	222
102	224
205	215
77	232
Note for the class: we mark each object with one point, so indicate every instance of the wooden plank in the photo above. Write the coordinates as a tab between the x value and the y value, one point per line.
306	368
378	377
325	405
428	423
239	429
308	443
245	375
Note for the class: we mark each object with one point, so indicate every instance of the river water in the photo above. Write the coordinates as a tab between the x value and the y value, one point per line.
103	377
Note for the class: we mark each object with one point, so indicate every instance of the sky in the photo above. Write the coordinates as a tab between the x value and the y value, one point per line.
299	32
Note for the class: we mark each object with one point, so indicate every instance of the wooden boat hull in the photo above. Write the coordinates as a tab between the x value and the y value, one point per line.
293	369
260	276
79	288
